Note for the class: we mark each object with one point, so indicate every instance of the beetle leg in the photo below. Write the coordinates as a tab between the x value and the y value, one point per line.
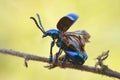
50	57
57	55
64	59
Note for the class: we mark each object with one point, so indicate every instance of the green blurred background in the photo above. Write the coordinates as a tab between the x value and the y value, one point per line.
101	18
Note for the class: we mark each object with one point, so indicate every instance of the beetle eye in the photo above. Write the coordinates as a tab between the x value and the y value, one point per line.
45	34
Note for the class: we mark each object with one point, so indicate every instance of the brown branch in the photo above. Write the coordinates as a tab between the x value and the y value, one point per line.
105	71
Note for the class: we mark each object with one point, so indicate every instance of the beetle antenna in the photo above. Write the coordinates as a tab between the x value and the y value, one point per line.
37	24
40	22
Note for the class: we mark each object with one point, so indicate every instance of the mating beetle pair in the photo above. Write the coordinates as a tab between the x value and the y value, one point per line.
72	43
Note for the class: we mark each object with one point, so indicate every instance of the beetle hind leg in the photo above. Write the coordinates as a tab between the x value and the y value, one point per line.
63	59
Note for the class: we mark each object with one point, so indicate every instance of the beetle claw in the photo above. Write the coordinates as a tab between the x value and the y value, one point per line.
50	66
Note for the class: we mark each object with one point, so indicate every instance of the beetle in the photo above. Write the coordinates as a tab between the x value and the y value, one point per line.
72	43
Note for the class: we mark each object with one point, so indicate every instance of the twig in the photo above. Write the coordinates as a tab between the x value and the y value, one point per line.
107	72
100	59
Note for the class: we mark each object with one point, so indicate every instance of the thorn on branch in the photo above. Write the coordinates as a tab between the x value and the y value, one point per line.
25	61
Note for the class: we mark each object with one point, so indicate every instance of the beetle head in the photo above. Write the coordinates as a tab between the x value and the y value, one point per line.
53	33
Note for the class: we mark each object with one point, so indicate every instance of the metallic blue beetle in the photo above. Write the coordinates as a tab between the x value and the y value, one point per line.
72	43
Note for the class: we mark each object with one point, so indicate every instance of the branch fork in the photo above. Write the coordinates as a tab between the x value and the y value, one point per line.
100	59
